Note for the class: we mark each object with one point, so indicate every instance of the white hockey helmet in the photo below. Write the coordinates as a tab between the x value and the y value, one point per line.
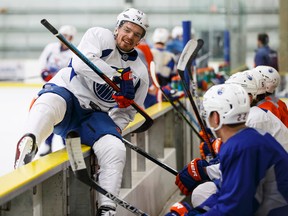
271	77
68	30
135	16
230	101
260	81
247	81
177	31
160	35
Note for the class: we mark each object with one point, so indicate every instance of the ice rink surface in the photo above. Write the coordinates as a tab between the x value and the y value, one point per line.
15	102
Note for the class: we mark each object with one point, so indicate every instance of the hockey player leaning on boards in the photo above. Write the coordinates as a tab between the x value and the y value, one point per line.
76	98
253	165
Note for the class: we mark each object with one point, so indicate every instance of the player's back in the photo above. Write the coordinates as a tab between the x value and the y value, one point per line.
268	122
258	157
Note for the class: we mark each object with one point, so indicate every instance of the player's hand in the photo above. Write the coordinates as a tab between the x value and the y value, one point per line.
179	209
191	176
48	73
125	97
205	151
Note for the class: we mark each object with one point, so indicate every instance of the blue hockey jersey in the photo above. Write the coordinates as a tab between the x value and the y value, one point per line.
254	169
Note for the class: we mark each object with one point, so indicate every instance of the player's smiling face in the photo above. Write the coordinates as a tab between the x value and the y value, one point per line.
128	36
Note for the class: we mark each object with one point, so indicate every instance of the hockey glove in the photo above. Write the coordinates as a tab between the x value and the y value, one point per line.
191	176
49	73
125	97
204	149
209	132
172	94
179	209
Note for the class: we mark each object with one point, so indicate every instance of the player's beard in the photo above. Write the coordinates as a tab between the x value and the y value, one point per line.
122	45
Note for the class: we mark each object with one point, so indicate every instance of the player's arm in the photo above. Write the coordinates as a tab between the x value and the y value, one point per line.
95	44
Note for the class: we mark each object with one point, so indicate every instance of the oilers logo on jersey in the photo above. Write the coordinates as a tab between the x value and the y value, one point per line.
104	92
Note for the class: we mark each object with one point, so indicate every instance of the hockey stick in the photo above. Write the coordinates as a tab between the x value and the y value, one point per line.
189	114
194	84
148	120
156	83
193	77
79	168
188	54
146	155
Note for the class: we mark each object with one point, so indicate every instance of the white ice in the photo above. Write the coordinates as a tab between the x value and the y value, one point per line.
15	102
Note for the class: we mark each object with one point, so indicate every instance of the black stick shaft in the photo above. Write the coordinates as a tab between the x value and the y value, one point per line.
182	115
186	89
146	155
79	168
83	176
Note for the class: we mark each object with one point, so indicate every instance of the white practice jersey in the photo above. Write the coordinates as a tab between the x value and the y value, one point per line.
98	45
53	57
163	59
268	122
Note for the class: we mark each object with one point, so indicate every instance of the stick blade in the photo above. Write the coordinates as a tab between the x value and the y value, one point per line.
145	126
73	147
187	52
148	120
153	74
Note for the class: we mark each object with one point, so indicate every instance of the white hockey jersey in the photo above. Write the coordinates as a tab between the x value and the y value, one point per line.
98	45
164	62
53	57
268	122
